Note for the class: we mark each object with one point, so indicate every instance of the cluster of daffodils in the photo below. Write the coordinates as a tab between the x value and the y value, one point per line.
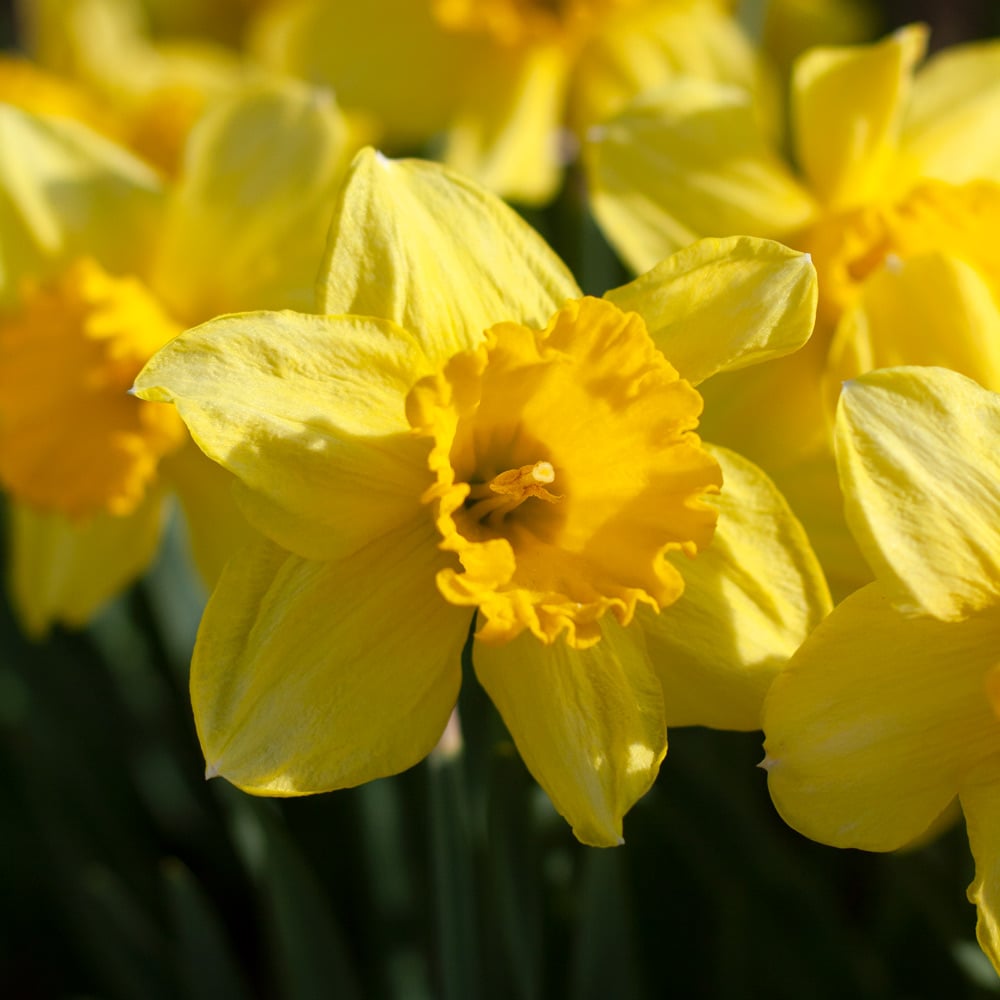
402	436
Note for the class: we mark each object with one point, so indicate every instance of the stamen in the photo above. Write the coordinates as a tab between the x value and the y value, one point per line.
491	502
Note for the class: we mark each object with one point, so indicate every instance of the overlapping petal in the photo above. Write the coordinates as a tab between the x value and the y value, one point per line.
749	601
416	244
651	44
66	191
507	134
252	239
950	128
724	304
365	50
688	161
63	571
980	798
918	462
310	676
215	525
588	722
847	113
309	412
931	309
875	720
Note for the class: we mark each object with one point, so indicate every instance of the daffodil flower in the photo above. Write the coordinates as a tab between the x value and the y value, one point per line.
462	437
896	196
891	708
100	264
511	84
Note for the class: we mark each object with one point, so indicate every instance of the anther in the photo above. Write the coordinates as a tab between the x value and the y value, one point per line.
493	501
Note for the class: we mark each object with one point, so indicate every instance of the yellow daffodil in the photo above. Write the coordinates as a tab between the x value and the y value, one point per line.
891	708
100	264
895	196
507	81
462	436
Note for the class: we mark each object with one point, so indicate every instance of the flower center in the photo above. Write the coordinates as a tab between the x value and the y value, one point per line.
71	438
513	22
848	246
489	503
565	467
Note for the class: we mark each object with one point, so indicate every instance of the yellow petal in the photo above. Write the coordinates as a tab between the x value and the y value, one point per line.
247	221
588	722
875	720
749	601
950	131
216	528
689	160
725	304
916	448
62	572
789	421
812	488
309	676
29	87
507	134
451	260
927	310
847	110
66	191
374	54
792	26
980	798
647	45
308	411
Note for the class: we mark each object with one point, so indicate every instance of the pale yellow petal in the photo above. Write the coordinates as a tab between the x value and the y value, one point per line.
749	601
812	488
875	720
648	45
390	59
771	413
980	798
927	310
687	161
309	676
587	722
414	243
216	528
720	305
61	572
916	448
67	191
507	134
247	220
847	111
951	130
309	412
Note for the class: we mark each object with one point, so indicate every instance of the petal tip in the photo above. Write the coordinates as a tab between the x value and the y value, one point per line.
211	771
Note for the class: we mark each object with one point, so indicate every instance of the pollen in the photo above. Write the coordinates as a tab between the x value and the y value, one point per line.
72	440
